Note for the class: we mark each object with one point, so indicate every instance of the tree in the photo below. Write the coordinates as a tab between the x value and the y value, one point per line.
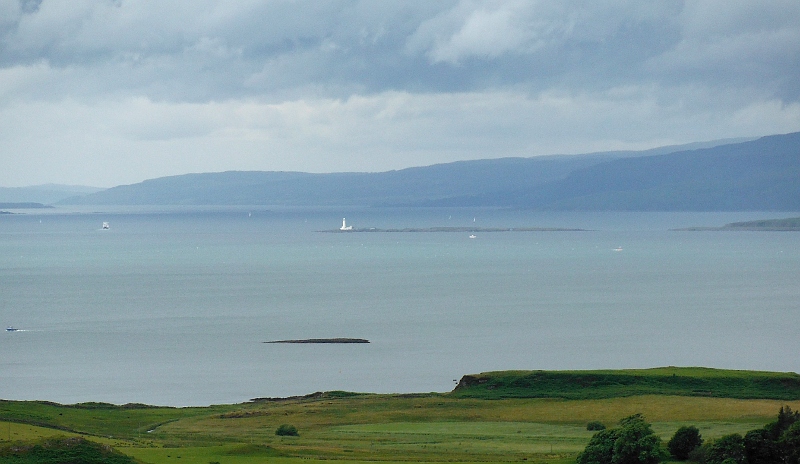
760	448
777	441
725	448
636	443
685	440
786	418
632	443
789	444
600	449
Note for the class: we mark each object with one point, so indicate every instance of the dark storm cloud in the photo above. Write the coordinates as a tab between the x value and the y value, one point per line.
210	50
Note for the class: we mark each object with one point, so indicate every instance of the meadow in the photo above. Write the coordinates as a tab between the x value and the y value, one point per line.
350	427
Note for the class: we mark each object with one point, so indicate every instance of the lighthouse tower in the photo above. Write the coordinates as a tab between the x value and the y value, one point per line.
345	226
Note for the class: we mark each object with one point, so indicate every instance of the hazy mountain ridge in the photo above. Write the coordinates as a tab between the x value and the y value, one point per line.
761	174
47	194
405	186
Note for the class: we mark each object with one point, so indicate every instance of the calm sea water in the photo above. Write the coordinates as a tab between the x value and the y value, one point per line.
171	306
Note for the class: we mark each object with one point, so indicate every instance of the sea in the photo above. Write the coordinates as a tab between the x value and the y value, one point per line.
172	305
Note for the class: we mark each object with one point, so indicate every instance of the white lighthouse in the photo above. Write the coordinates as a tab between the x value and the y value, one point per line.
345	226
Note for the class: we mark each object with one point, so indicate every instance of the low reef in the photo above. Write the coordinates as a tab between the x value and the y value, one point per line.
322	340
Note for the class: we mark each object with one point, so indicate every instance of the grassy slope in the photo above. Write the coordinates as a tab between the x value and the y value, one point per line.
683	381
358	428
97	418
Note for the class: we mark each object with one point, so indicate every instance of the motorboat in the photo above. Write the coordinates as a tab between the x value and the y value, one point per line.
11	329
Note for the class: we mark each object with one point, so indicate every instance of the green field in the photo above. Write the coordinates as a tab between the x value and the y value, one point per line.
391	428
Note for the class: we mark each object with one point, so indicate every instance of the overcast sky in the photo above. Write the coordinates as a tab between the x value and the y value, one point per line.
109	92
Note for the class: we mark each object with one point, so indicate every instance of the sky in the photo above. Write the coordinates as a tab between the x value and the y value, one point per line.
110	92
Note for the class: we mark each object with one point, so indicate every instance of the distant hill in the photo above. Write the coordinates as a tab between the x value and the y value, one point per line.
761	174
407	186
758	175
46	194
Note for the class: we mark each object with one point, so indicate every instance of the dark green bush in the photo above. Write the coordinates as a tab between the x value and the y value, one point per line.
685	440
286	430
595	426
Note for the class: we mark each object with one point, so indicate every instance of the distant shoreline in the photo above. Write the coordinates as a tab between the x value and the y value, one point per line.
765	225
26	205
738	229
459	229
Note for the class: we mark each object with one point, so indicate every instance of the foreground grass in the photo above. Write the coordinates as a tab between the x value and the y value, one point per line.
391	428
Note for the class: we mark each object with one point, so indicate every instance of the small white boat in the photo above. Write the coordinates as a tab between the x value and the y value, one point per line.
11	329
618	249
472	236
106	226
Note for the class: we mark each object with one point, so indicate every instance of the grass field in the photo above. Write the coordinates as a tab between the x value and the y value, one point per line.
387	428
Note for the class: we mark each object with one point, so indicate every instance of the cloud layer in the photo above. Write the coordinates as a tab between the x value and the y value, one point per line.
108	92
